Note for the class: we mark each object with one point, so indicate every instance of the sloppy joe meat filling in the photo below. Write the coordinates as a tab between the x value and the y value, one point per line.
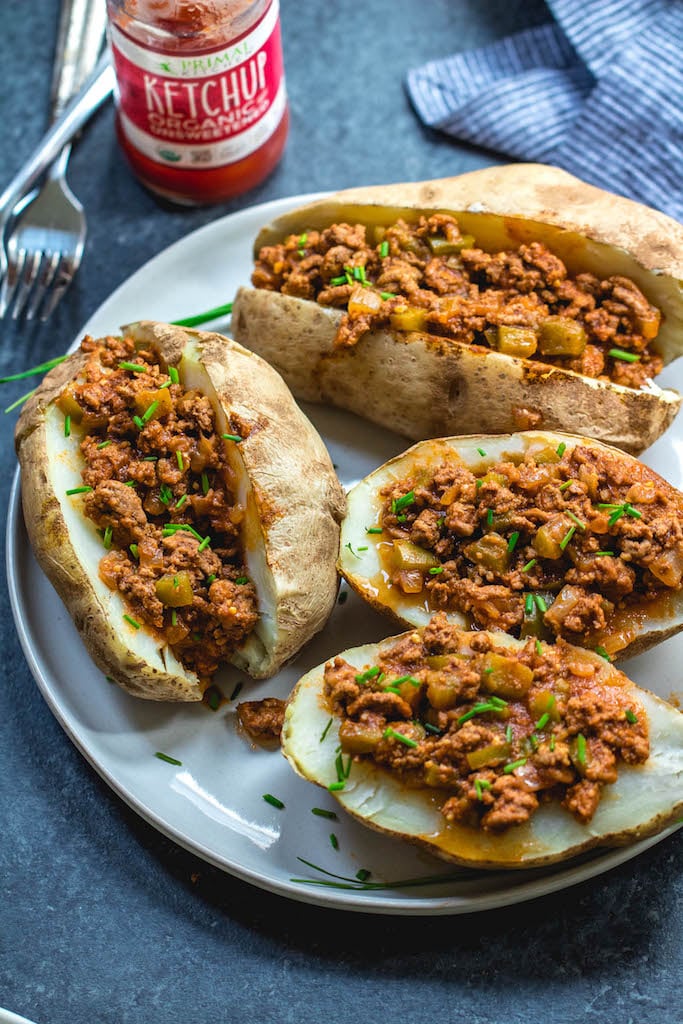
428	276
553	544
160	491
497	731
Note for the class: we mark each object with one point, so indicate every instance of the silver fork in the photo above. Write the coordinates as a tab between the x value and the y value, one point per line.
45	247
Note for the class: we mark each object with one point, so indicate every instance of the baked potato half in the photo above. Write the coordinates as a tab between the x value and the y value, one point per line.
488	751
536	534
504	299
183	507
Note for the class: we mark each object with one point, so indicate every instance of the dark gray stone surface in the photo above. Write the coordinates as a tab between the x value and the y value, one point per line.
101	918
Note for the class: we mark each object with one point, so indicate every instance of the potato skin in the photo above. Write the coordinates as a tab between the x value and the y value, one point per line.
422	386
284	460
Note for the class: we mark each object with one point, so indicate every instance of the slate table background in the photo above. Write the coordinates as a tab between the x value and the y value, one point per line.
101	918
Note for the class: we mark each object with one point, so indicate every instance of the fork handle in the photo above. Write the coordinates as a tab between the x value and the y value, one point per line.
96	89
80	35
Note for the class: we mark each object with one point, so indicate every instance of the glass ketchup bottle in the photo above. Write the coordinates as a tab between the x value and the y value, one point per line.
201	104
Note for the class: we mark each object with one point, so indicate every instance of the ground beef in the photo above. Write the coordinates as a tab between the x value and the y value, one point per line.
490	759
159	492
262	719
433	273
562	542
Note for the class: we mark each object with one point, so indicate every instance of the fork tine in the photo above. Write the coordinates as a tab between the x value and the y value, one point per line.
65	275
28	279
48	271
15	265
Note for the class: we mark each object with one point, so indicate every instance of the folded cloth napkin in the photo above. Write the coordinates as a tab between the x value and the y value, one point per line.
599	92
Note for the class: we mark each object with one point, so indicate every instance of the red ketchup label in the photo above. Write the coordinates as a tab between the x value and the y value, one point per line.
206	109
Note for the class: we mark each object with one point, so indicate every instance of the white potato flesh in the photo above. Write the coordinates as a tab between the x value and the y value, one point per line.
360	552
645	799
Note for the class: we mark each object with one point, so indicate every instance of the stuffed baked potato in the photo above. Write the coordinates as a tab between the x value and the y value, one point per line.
183	507
504	299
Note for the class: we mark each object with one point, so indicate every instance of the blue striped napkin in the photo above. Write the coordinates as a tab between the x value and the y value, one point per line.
599	92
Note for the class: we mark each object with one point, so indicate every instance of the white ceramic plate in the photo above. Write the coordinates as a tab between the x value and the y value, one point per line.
212	804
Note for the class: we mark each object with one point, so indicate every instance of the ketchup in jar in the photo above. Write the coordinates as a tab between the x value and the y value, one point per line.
201	103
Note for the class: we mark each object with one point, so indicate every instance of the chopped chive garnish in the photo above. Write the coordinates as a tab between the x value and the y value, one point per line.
181	501
150	410
137	420
479	786
581	748
512	543
478	483
151	458
104	444
384	250
273	801
478	709
67	426
508	734
528	604
34	371
202	318
205	484
20	400
436	570
540	604
133	367
232	437
213	698
489	517
575	519
482	452
363	874
498	702
129	483
321	812
509	768
567	537
406	679
134	550
132	621
488	671
543	721
174	617
236	692
350	547
566	484
628	357
172	371
363	677
204	544
334	787
211	578
387	295
432	728
167	758
398	504
561	448
373	529
392	689
552	742
630	716
363	548
401	519
166	384
79	490
334	842
601	554
241	580
391	734
170	528
603	653
165	494
336	281
106	540
539	647
179	460
303	239
529	565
